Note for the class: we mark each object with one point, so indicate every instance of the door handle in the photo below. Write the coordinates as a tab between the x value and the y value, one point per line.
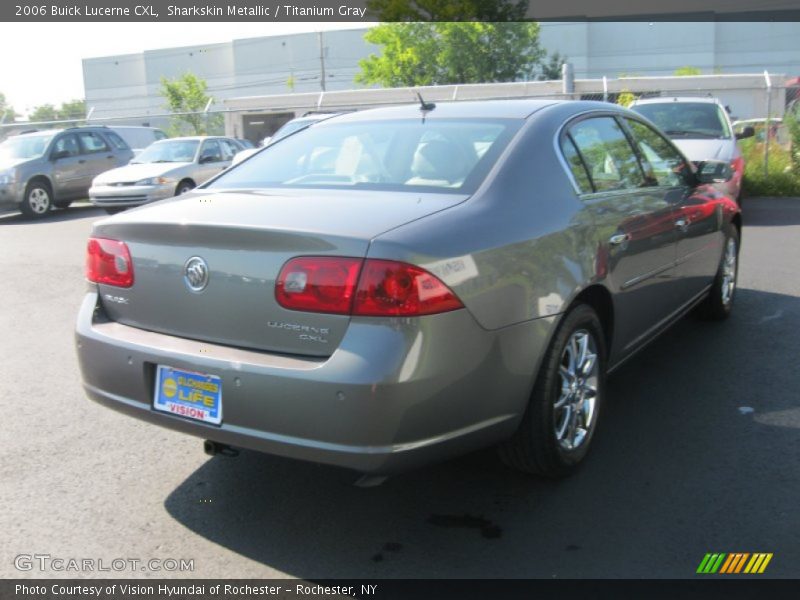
81	161
620	238
110	157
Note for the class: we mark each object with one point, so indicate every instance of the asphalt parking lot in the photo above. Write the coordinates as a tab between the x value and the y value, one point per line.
697	452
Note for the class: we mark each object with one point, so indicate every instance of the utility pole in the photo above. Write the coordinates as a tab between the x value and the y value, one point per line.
321	61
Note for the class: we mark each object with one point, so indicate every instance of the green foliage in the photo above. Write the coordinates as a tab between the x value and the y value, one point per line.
74	110
44	112
684	71
448	10
6	110
187	94
450	53
780	180
626	98
551	69
792	123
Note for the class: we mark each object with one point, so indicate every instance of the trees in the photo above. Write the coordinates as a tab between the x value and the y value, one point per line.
188	94
7	113
69	110
451	52
551	69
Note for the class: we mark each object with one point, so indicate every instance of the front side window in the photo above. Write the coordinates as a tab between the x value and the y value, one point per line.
666	165
607	154
210	152
92	142
434	154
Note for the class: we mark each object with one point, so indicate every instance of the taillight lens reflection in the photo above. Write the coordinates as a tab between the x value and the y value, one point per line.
318	284
109	262
361	287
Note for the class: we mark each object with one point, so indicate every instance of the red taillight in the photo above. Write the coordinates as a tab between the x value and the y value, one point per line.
361	287
388	288
318	284
109	262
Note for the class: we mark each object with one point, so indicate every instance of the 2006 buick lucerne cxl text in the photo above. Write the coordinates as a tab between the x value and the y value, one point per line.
400	285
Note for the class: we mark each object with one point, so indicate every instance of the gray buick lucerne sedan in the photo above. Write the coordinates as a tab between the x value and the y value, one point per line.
400	285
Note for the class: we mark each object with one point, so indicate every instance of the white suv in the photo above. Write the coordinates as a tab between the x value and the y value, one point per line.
702	129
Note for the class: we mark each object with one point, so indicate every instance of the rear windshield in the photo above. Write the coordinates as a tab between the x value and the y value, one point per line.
431	155
168	151
687	119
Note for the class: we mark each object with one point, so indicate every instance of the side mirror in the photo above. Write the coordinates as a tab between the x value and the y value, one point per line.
59	154
714	171
747	132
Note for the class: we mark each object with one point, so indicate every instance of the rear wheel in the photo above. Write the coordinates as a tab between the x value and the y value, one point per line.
719	303
562	413
62	203
38	200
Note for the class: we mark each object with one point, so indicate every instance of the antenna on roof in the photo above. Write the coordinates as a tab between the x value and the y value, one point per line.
425	106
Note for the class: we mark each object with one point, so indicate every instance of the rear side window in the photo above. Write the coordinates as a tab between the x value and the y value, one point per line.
116	141
92	142
665	165
160	135
576	166
607	154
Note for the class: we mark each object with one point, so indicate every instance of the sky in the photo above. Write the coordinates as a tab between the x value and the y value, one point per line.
42	61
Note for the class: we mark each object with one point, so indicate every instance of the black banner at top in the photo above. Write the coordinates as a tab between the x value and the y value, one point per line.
396	10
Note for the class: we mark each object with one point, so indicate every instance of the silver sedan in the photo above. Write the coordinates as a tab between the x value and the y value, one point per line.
400	285
165	168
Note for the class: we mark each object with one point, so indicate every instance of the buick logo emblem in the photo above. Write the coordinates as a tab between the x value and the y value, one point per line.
195	274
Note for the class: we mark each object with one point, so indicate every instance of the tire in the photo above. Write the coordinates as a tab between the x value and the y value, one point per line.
38	200
184	186
550	441
719	303
62	203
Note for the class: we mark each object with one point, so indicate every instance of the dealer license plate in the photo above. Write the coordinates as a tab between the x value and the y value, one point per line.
188	394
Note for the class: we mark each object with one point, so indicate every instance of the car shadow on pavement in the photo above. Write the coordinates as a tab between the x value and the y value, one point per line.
686	447
67	214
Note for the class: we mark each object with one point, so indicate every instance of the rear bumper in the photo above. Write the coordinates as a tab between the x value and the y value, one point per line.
396	394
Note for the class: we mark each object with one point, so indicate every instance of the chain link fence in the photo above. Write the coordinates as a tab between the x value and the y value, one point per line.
761	99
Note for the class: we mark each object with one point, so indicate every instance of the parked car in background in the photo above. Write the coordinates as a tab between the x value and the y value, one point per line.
138	138
701	128
52	168
400	285
167	168
245	143
286	129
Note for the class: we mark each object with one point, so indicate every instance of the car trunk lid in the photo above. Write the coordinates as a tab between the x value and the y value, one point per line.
244	239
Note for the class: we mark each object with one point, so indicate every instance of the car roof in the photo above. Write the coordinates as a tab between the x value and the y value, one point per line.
678	99
487	109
